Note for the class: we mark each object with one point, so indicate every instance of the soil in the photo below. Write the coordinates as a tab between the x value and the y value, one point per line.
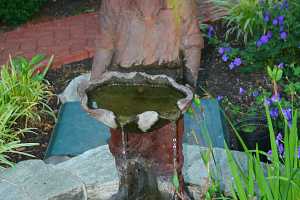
58	80
216	79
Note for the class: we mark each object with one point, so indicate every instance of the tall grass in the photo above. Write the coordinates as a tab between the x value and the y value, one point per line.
23	97
277	180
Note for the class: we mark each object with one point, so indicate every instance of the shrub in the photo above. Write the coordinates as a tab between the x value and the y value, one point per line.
15	12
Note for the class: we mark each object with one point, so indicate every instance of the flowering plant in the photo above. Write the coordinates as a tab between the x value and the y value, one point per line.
277	41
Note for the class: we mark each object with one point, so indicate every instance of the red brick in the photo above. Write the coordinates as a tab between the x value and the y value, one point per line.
77	33
46	42
44	50
74	57
12	46
91	52
91	43
59	51
27	45
2	38
13	35
78	45
62	36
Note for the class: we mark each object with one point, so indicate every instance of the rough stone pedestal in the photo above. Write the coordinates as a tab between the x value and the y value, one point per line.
150	154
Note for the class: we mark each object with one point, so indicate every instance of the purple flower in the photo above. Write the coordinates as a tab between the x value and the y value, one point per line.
269	152
255	93
281	19
269	34
280	66
274	113
275	22
219	98
266	17
287	113
281	148
258	43
225	58
283	35
268	102
275	98
231	66
237	61
298	152
279	137
264	39
227	49
211	31
242	91
221	50
284	5
281	28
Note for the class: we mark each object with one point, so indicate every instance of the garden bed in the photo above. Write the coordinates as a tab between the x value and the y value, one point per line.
58	79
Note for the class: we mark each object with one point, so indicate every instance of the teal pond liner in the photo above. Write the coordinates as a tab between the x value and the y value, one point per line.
207	124
76	132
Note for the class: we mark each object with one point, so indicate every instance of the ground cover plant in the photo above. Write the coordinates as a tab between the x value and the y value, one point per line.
18	11
273	49
24	95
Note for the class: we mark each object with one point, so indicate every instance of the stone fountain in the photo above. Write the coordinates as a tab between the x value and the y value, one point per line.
146	50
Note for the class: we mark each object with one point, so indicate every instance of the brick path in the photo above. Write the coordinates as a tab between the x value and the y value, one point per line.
70	39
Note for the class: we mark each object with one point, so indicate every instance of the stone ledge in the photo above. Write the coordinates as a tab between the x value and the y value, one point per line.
93	175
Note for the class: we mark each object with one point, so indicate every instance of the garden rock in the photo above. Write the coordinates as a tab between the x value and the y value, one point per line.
34	180
96	168
70	93
93	175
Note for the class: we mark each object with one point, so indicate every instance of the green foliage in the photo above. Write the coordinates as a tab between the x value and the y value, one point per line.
15	12
279	179
22	82
243	19
276	50
23	97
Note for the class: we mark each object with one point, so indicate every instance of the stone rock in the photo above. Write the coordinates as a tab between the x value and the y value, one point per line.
34	180
56	159
97	169
147	119
70	93
93	175
195	172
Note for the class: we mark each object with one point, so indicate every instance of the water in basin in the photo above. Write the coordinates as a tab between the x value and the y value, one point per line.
126	101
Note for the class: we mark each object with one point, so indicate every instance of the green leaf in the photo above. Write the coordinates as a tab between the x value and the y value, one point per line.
270	72
197	101
37	59
175	181
38	77
278	75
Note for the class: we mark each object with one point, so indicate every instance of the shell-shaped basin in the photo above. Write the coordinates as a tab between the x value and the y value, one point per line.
137	100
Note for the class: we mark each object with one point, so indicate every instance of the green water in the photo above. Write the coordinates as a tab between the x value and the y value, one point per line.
127	101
